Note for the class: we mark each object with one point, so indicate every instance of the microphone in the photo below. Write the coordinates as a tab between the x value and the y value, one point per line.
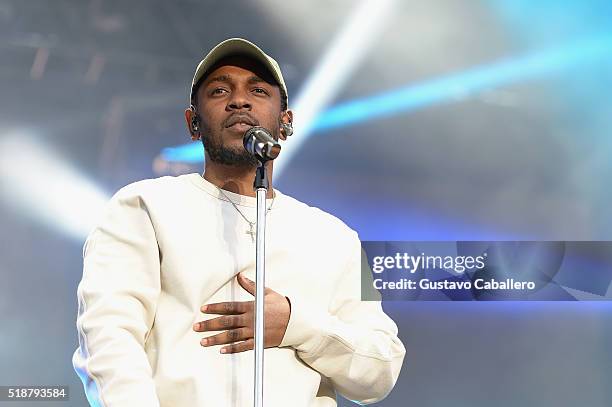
259	142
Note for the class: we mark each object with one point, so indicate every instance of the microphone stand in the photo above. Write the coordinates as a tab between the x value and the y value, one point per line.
261	185
259	142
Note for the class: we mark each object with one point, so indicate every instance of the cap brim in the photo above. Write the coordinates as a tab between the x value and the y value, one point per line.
237	46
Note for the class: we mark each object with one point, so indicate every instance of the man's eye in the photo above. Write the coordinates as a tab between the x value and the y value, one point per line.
260	90
218	91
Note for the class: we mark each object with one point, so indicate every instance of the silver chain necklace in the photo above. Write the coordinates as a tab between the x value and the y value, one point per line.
250	232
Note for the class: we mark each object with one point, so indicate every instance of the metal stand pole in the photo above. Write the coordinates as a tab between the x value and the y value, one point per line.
261	187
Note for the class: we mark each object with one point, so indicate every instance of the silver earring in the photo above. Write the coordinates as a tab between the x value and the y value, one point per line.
288	128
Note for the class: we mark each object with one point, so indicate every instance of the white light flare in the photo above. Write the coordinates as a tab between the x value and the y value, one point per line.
38	183
345	52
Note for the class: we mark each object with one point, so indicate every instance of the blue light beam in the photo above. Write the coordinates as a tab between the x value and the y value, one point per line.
464	85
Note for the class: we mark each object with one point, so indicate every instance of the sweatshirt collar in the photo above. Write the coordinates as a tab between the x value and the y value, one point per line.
237	199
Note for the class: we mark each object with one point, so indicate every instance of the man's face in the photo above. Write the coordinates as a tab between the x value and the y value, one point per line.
236	95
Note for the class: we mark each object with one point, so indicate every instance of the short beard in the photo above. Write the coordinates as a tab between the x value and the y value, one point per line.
221	154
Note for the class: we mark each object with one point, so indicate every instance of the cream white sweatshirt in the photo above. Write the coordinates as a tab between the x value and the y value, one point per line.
167	246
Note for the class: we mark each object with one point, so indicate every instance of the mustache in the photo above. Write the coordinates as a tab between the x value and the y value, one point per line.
240	118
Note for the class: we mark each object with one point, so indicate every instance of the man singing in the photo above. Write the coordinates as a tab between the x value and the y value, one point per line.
166	300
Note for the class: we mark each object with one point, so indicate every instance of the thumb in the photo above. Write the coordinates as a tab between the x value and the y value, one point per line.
247	284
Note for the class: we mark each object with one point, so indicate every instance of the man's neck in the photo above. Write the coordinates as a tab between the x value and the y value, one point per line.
238	180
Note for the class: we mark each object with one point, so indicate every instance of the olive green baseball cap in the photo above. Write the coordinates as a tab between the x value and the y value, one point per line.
237	46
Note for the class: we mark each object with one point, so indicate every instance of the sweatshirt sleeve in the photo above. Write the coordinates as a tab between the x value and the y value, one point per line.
117	299
352	342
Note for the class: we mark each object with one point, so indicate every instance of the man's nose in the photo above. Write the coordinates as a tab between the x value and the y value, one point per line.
239	101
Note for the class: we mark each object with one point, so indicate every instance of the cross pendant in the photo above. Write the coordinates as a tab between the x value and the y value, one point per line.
251	232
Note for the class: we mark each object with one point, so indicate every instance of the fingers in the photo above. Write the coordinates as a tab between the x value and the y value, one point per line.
221	323
249	285
227	308
239	347
231	336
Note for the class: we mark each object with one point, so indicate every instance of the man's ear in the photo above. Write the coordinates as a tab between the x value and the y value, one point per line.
193	123
286	124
